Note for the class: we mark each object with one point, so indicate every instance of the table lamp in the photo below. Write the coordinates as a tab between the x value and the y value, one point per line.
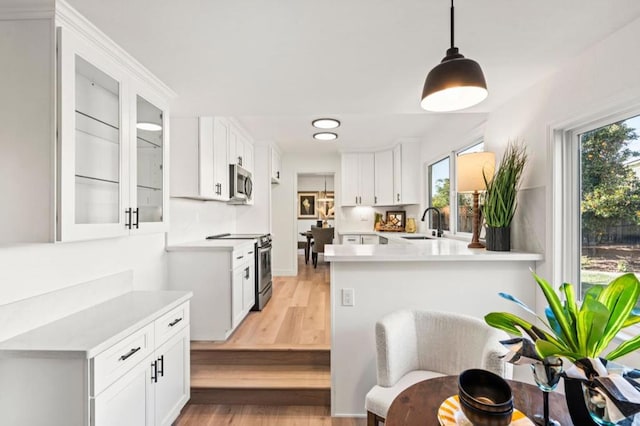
471	171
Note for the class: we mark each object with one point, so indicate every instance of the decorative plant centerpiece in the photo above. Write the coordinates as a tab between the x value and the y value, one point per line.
579	333
500	197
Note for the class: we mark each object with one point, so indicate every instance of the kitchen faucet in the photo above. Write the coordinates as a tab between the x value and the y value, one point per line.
439	226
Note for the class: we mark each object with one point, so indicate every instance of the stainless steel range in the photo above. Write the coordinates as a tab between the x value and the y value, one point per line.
262	264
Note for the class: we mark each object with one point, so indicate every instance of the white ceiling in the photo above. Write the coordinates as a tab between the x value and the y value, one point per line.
278	64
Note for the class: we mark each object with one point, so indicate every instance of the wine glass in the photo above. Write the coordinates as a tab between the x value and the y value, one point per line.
547	375
596	404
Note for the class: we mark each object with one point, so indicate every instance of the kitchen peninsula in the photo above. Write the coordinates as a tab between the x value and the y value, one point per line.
434	274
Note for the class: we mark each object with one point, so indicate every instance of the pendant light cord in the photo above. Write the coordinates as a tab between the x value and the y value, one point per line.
452	43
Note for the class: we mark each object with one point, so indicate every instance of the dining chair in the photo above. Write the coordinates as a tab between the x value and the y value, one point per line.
321	236
413	346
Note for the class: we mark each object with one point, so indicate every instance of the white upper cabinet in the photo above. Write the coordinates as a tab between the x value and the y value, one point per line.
276	165
384	174
199	158
240	147
358	179
112	158
383	178
406	172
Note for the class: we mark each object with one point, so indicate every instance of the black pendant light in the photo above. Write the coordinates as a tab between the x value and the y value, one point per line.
455	83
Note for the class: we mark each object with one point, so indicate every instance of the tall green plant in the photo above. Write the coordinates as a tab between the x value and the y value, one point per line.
573	331
500	197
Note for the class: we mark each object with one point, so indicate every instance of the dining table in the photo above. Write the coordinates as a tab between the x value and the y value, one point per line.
419	404
307	247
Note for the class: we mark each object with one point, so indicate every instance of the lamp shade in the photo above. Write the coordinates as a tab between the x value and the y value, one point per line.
471	168
455	83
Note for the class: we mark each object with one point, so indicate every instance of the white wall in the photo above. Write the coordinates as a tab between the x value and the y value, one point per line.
313	184
284	205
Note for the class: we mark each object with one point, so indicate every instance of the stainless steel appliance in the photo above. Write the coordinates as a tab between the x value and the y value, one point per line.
240	185
264	278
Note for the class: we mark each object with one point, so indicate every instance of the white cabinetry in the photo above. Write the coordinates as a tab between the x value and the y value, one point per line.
240	147
406	172
112	144
222	280
122	362
360	239
384	178
358	179
199	158
74	102
276	165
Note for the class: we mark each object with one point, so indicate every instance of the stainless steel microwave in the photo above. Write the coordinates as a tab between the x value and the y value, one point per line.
240	185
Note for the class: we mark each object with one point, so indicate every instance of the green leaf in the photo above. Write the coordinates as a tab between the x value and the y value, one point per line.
592	320
546	348
570	301
620	297
624	348
507	321
633	319
568	332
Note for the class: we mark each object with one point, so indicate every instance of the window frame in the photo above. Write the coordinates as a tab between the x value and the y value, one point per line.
453	186
566	187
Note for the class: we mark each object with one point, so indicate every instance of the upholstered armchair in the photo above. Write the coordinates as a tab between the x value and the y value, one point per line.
417	345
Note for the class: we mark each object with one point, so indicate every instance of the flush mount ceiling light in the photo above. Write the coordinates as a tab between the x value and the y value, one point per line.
325	136
325	123
152	127
455	83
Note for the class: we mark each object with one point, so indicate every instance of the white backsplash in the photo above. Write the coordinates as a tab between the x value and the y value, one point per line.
360	218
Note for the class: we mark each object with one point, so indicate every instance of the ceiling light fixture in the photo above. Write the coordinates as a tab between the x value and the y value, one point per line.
455	83
325	123
325	136
152	127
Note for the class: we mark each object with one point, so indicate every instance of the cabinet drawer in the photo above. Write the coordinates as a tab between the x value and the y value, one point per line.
351	239
114	362
243	255
171	322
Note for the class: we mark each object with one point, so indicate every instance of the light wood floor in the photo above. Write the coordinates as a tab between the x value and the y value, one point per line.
298	316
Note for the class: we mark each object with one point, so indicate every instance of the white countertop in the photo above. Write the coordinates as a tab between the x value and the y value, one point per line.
437	249
89	332
207	245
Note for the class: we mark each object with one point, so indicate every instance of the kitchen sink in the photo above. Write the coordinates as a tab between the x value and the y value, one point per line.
417	237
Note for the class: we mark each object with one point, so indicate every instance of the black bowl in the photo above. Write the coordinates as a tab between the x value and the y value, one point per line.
486	418
485	391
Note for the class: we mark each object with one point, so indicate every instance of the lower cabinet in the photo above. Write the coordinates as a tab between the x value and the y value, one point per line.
124	362
223	281
360	239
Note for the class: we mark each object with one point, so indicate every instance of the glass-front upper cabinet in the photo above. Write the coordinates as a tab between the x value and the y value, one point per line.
112	147
150	156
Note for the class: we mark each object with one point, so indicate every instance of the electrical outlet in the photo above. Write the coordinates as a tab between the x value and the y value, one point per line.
348	297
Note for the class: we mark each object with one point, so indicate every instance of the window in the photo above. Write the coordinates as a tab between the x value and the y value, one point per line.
440	175
440	192
601	209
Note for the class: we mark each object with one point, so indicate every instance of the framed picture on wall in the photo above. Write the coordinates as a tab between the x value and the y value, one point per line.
307	205
326	209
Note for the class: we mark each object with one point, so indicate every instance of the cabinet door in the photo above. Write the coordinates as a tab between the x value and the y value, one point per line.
234	155
397	174
366	180
149	197
92	182
221	160
249	288
247	160
370	239
237	314
128	401
206	186
384	178
350	178
172	388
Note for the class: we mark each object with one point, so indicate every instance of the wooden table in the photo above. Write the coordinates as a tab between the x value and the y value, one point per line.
419	404
307	248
